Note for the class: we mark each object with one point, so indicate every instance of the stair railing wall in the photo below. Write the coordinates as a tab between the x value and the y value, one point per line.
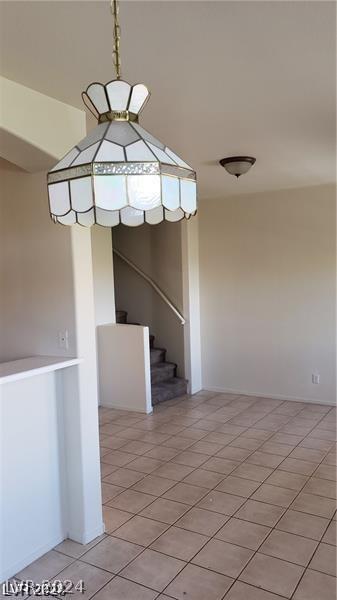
152	283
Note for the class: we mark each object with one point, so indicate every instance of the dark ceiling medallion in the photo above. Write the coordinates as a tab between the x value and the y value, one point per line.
237	165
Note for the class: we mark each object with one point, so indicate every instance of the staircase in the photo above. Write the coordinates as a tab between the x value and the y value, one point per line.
165	384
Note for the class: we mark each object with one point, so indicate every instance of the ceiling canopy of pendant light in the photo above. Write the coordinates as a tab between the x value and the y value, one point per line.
120	173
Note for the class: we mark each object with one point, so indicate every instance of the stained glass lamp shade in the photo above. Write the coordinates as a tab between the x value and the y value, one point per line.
120	173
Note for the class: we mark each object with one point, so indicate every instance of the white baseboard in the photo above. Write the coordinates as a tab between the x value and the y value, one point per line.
264	395
126	408
11	570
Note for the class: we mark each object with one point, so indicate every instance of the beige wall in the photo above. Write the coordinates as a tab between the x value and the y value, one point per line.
268	301
102	264
36	280
157	251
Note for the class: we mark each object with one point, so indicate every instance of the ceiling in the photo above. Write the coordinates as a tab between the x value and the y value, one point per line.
226	78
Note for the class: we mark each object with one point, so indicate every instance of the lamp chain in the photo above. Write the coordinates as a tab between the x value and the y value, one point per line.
116	37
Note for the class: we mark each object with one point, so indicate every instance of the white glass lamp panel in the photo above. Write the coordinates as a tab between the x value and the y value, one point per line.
81	194
107	218
132	217
86	156
94	136
69	219
174	215
96	93
177	159
238	167
188	195
59	198
154	216
170	192
110	152
118	93
147	136
139	95
66	160
161	155
86	219
139	151
121	133
144	191
110	191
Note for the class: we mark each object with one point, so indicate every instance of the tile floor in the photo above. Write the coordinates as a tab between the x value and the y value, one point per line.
212	497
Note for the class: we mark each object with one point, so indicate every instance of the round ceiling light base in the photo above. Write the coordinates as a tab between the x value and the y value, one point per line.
237	165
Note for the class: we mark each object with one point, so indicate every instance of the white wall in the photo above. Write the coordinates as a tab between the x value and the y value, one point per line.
102	264
36	278
158	252
268	293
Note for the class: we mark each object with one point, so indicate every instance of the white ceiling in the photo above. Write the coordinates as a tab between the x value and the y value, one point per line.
226	78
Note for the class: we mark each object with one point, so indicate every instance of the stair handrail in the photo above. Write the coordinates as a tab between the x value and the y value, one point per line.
152	284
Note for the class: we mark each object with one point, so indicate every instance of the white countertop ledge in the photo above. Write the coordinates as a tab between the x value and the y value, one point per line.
34	365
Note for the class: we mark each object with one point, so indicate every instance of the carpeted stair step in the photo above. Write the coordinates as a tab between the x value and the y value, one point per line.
151	340
157	355
121	316
166	390
162	372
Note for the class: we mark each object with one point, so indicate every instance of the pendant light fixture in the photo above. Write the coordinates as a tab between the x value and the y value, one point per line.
120	173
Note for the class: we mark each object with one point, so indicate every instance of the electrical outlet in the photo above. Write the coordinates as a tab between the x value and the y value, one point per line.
63	339
315	378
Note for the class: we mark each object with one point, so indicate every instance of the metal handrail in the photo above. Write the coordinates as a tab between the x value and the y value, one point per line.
152	283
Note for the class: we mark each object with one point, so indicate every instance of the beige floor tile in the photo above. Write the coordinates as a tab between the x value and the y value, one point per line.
124	477
243	533
93	579
302	524
140	530
238	486
321	487
203	478
71	548
139	447
196	583
218	437
274	495
114	518
226	504
186	493
317	444
223	558
257	434
232	453
202	521
315	505
287	546
107	469
253	472
190	459
326	472
316	586
294	465
272	574
112	554
220	465
130	434
162	453
309	454
117	458
165	510
260	512
178	443
131	501
265	459
112	442
144	464
153	569
291	481
122	589
109	491
156	486
274	448
246	443
179	543
330	534
284	438
173	471
209	448
46	567
194	434
243	591
324	559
